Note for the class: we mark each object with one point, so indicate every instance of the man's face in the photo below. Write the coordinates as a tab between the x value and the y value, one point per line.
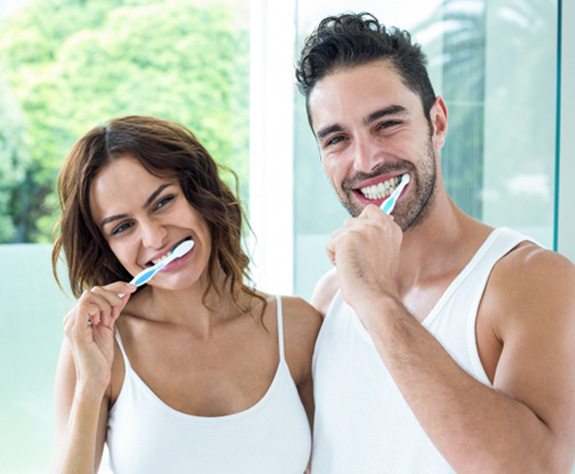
371	130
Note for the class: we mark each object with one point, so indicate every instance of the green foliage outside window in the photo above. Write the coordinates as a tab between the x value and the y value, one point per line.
67	65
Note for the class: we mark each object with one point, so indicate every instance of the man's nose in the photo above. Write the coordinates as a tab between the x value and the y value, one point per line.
366	155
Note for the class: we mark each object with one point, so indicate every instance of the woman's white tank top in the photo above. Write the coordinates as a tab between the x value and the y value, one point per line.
144	435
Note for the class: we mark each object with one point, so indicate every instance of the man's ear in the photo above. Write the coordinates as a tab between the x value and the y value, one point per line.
438	117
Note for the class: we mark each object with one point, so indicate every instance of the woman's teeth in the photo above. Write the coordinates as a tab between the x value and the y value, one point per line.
155	261
381	190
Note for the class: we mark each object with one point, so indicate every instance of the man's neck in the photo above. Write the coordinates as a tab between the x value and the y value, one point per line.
439	245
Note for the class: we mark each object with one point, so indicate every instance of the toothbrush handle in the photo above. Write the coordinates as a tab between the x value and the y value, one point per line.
144	276
388	209
389	203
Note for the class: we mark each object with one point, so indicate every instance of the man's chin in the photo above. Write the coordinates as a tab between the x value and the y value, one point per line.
355	205
353	209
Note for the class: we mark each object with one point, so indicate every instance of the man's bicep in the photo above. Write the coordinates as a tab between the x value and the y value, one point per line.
538	332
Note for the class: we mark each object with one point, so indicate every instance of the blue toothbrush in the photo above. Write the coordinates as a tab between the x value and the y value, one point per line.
146	275
388	205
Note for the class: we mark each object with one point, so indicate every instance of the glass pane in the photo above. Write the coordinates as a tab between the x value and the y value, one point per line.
494	62
520	116
31	314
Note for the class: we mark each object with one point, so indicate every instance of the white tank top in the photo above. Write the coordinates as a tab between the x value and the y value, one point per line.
145	435
362	423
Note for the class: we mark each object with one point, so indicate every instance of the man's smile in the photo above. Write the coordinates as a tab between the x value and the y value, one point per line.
380	190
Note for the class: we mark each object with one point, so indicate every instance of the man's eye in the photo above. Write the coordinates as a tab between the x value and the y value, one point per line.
389	123
334	140
121	228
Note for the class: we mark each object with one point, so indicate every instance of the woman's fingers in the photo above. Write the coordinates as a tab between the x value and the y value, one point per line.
96	306
123	291
108	303
99	305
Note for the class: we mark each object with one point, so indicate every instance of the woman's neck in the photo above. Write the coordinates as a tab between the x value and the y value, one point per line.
201	304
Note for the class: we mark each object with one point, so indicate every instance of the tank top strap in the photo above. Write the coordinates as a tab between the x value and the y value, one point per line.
122	349
280	327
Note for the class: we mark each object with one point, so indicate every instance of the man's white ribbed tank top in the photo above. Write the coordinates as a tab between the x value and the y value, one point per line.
146	436
362	423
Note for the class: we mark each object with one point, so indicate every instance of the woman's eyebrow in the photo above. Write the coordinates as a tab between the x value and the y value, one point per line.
111	219
147	204
155	194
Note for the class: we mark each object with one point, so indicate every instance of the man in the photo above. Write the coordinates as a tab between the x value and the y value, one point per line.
447	345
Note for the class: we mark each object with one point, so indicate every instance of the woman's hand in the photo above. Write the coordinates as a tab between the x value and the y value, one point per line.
89	328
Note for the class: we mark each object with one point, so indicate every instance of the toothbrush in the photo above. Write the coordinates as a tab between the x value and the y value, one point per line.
388	205
146	275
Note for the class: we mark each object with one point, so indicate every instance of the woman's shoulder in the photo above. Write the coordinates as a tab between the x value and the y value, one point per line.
301	322
294	308
298	312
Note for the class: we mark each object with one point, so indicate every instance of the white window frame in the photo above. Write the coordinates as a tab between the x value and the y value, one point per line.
566	224
271	143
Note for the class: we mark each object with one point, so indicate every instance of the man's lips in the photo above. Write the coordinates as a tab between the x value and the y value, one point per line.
376	189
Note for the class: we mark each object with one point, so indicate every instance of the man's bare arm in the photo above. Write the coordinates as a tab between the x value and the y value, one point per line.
526	421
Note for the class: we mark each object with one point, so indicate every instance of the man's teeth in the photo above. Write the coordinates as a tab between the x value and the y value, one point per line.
381	190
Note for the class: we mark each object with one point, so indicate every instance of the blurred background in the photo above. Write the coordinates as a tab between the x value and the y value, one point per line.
224	68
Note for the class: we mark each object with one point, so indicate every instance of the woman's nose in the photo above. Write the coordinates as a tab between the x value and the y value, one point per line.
153	234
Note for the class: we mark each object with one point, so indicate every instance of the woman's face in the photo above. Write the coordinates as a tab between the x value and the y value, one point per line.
143	217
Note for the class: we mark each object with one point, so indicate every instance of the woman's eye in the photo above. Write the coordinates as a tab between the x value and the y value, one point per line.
162	202
121	228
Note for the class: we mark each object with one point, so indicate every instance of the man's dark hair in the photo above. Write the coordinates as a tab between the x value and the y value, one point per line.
349	40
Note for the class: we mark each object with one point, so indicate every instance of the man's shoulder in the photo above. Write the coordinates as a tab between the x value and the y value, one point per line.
530	276
324	291
528	261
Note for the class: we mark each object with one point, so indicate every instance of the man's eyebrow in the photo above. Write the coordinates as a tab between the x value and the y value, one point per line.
147	204
322	133
391	110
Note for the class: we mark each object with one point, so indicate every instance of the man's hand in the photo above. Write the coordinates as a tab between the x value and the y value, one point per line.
365	252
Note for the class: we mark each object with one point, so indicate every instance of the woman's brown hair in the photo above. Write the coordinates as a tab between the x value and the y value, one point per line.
165	149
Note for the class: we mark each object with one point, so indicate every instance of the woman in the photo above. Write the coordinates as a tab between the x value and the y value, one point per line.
195	371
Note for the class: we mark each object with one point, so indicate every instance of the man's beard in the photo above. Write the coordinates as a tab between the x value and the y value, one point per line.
407	213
